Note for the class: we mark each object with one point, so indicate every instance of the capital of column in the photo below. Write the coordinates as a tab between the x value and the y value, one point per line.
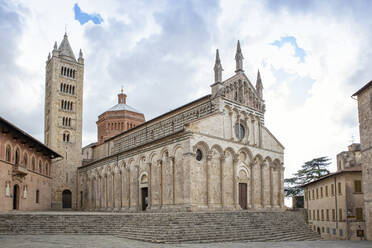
222	158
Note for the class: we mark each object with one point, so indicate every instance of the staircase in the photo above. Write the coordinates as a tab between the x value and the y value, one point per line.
165	227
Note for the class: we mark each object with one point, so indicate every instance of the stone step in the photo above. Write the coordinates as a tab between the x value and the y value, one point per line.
166	228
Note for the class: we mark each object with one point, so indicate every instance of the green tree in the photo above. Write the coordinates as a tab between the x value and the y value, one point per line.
310	171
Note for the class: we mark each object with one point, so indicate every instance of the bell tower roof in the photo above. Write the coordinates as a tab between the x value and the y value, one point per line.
65	49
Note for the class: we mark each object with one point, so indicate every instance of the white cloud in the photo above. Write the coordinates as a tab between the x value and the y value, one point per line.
165	48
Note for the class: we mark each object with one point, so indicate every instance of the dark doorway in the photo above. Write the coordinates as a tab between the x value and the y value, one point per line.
243	195
66	199
318	230
16	197
144	193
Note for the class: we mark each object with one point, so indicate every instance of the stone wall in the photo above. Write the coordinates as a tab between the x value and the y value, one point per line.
365	133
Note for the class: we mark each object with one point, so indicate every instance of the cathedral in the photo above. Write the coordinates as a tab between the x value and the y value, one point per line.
211	154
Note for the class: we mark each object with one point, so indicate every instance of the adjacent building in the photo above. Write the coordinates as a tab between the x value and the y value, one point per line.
335	203
364	97
213	153
25	170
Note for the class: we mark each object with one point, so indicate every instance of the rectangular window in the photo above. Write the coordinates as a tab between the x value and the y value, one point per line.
323	229
317	214
334	231
332	190
37	196
359	214
317	194
321	192
340	214
333	215
313	194
357	186
341	232
314	218
322	215
328	231
326	191
309	214
327	214
339	188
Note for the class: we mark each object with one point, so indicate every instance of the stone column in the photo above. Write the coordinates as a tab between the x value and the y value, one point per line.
222	165
208	165
246	121
117	189
259	133
271	186
262	184
281	186
235	191
129	188
251	186
160	163
257	184
99	195
149	165
253	132
89	193
137	189
231	125
171	161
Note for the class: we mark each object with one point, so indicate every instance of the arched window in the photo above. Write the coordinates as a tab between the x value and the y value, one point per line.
62	70
68	138
61	87
25	160
8	152
69	89
122	126
16	156
73	73
63	121
69	122
33	163
73	90
46	168
40	167
72	106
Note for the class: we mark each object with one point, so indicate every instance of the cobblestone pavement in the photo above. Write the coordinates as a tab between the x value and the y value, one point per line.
106	241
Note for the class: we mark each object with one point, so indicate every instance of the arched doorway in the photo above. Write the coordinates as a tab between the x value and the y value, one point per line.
16	196
66	199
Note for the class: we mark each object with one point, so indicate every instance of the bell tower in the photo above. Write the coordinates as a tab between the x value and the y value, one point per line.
63	120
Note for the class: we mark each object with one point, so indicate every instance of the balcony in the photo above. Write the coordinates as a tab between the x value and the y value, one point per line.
19	170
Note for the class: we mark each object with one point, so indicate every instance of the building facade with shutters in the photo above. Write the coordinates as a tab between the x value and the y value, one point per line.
335	202
210	154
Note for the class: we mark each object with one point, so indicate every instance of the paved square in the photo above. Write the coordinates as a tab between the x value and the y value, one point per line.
106	241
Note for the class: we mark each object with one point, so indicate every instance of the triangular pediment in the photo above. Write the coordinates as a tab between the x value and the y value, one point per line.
240	89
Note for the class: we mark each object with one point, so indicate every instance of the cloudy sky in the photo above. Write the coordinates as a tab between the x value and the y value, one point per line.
313	55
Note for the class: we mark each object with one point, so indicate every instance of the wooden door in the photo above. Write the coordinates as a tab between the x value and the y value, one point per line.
66	199
243	195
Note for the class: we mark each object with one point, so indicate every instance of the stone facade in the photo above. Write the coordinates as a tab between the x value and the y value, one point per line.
211	154
335	203
25	170
364	96
63	120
